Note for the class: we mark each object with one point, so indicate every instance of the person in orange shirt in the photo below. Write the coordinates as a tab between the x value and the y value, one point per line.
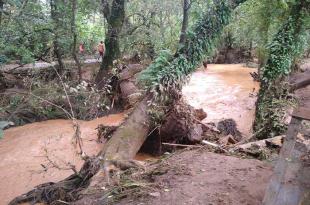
101	50
81	48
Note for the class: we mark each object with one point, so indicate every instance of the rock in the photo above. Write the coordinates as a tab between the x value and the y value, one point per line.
210	127
229	127
155	194
200	114
5	124
196	134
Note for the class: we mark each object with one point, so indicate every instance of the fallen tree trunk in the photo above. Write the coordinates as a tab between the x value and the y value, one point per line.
129	137
302	82
275	141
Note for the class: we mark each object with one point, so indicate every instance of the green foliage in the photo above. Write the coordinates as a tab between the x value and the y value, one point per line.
282	51
24	31
153	25
255	23
28	28
166	76
271	111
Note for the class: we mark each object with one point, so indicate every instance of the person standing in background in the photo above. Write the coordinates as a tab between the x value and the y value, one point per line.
101	50
81	48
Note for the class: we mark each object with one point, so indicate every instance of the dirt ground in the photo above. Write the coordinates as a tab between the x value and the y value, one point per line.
209	179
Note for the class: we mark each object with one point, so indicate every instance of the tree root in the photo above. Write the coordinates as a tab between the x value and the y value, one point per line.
65	190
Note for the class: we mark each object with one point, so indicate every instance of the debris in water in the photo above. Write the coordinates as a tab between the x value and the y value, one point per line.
229	127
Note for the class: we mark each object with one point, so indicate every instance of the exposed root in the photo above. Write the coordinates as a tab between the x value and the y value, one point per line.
180	126
66	190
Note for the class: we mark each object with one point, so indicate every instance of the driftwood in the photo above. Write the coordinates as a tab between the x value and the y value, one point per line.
205	142
275	141
180	145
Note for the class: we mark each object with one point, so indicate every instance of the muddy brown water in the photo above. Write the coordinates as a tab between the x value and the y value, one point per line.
224	91
23	164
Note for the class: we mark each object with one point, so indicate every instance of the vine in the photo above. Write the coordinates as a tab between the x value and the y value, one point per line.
274	96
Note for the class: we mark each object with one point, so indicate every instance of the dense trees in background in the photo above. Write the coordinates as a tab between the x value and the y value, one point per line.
32	30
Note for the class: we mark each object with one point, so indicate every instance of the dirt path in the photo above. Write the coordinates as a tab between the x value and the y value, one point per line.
43	65
204	178
23	150
224	91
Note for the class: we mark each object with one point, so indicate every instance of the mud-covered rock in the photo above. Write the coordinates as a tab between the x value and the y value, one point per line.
196	134
200	114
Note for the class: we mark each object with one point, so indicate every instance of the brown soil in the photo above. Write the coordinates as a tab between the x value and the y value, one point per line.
200	177
23	163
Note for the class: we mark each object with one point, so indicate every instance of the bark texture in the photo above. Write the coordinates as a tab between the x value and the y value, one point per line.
186	8
74	36
55	15
115	16
1	11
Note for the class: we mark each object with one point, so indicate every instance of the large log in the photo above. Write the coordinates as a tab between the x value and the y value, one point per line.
300	81
129	137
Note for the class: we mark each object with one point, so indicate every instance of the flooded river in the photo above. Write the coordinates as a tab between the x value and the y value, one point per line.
24	150
224	91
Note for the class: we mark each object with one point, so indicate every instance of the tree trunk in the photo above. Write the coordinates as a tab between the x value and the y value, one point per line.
129	137
186	7
55	15
115	19
74	33
149	43
1	11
